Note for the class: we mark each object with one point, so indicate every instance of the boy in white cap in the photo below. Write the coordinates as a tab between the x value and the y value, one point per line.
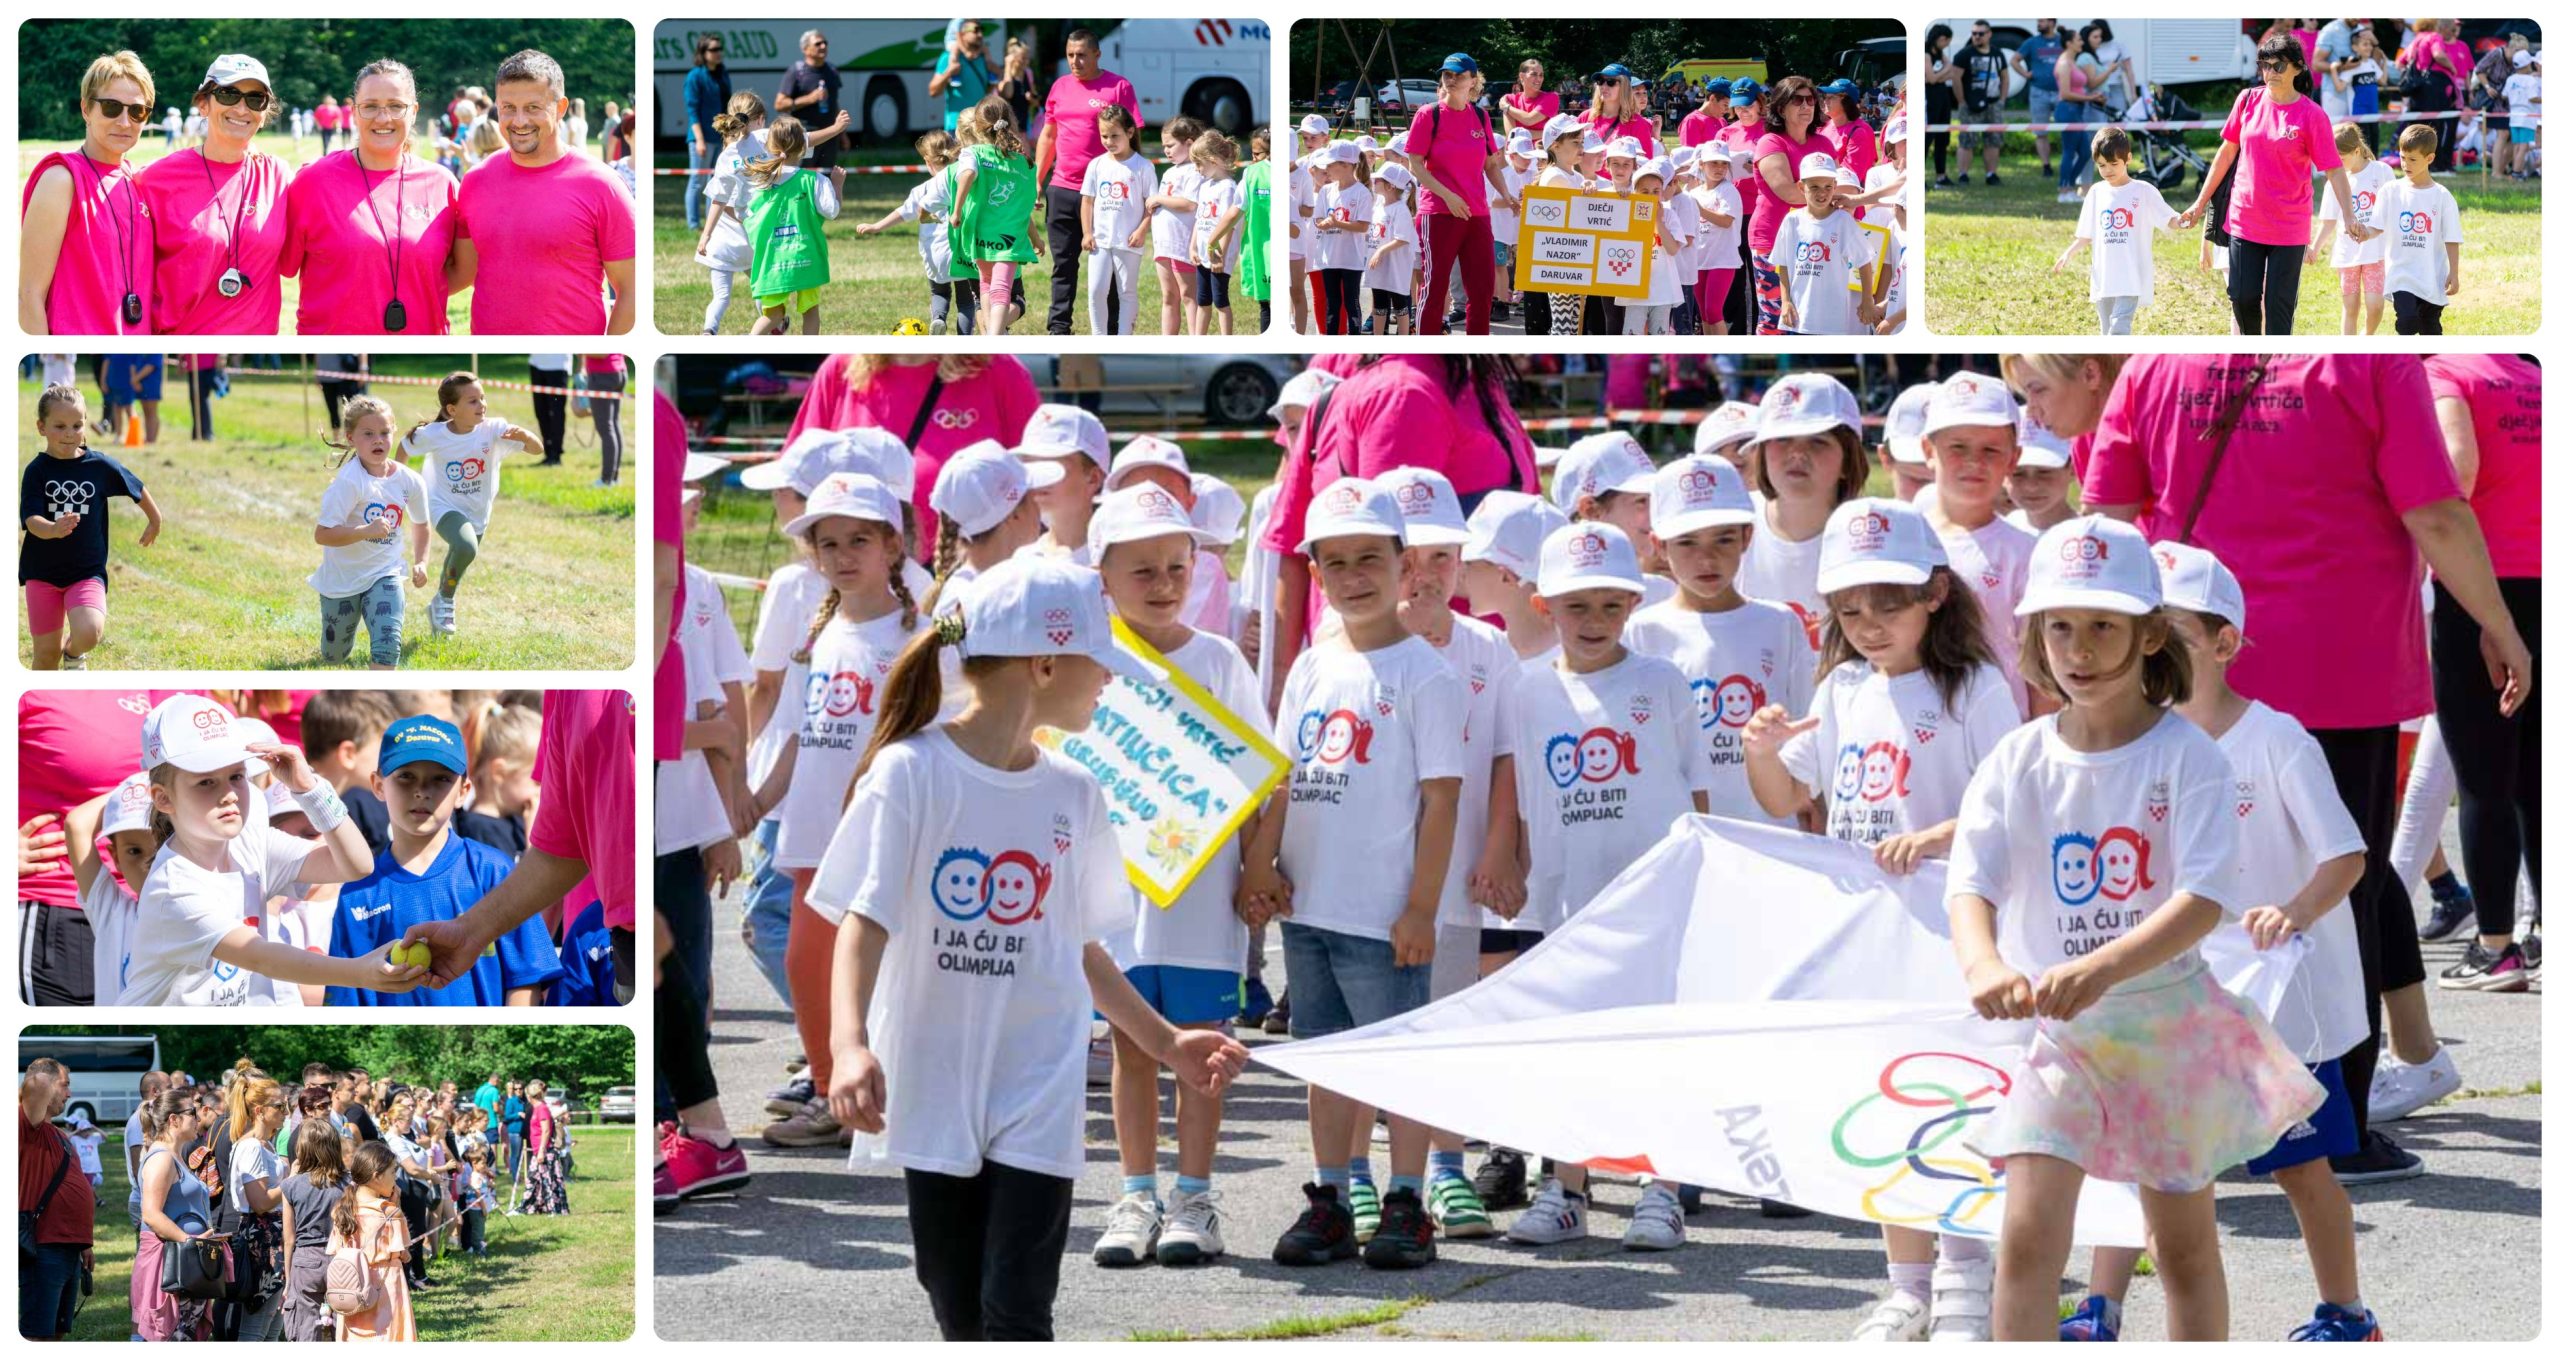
2040	485
1161	463
1341	223
1904	447
1072	437
1719	234
1680	212
1651	314
1608	477
1499	568
1825	260
1394	251
1971	436
1726	434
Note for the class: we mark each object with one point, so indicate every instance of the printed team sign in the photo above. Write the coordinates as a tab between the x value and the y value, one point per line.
1180	770
1573	241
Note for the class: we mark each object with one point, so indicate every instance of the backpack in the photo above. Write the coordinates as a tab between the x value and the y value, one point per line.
352	1289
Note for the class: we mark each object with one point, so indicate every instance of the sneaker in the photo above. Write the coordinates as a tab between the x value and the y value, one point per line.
785	1100
1557	1215
1402	1239
1502	1179
2402	1089
1457	1209
2329	1322
2482	971
1944	183
1960	1301
1322	1232
2094	1320
697	1168
75	663
664	1196
1656	1224
813	1126
1257	1003
2377	1161
1965	178
2531	947
1097	1062
1364	1209
1130	1236
1194	1230
440	615
2451	911
2045	170
1277	1022
1899	1318
1992	179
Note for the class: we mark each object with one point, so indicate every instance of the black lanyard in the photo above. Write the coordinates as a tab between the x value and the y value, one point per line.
394	316
126	231
234	281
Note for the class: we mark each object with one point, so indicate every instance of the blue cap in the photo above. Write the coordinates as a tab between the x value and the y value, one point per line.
1746	91
1614	70
421	737
1458	61
1842	86
1719	85
1641	83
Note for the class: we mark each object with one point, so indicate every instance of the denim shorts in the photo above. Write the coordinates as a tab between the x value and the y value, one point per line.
1339	982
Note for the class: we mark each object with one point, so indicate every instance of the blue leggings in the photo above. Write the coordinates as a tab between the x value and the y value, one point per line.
377	610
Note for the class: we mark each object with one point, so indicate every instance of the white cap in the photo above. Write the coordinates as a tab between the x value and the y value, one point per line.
848	495
1623	149
1598	464
1969	398
1217	509
232	67
1589	556
1429	505
1849	179
1345	153
193	733
1818	166
1726	426
1147	451
1869	542
1314	125
279	800
1546	456
1700	491
1897	129
2039	447
2092	562
1351	507
1561	126
1523	141
256	732
982	484
2194	579
128	807
1507	530
1396	145
1032	604
1056	430
700	465
1367	145
1135	513
1906	420
885	456
1802	404
1655	168
1396	175
1684	157
802	464
1714	151
1302	389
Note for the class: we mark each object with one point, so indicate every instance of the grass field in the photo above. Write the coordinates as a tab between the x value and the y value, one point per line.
1991	253
553	1278
223	588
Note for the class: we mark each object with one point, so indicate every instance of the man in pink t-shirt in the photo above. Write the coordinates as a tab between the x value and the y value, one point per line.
545	230
1070	137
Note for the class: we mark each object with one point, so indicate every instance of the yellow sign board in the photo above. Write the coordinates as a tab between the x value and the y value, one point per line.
1580	241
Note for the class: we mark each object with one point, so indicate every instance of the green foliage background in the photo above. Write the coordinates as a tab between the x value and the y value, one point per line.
585	1059
1574	48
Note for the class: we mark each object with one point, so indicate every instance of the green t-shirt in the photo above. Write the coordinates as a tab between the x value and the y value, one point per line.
1254	237
993	224
789	236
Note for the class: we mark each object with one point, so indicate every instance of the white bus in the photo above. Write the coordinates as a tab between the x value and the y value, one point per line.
106	1070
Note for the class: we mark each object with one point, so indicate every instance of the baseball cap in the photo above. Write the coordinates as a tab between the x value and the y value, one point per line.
1349	508
1458	61
1684	157
1623	149
2194	579
873	450
1905	421
1653	169
193	733
1217	509
1613	71
1347	153
1559	127
1147	451
1897	129
1807	404
852	495
1818	166
1546	456
1429	505
1598	464
700	465
256	732
982	484
1969	398
1135	513
1056	430
1700	491
1848	179
1396	145
1719	85
1870	542
1314	125
1507	530
802	464
1588	556
1843	85
1715	151
1302	389
1522	142
423	737
2092	562
1746	91
2039	447
279	802
1726	426
232	67
1032	604
1396	175
128	806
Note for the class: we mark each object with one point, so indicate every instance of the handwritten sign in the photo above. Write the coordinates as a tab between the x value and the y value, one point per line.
1579	241
1180	770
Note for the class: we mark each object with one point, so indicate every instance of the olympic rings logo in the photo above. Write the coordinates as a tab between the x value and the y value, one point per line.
1972	1184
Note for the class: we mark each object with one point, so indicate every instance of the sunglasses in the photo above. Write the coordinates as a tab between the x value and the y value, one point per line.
715	47
115	109
2272	63
257	100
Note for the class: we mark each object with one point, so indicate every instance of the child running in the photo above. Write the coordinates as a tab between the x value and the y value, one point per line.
722	248
954	305
460	449
2359	263
1117	187
2117	217
62	505
992	195
370	500
786	228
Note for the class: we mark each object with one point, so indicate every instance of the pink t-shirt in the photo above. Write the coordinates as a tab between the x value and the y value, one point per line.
2282	146
1700	128
1764	225
993	403
329	117
106	249
2346	444
1071	108
194	215
342	223
1531	111
667	444
2504	393
1604	130
1853	144
1743	140
73	745
589	805
544	236
1453	145
1397	412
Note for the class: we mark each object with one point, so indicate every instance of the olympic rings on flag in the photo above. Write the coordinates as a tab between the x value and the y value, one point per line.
1917	1158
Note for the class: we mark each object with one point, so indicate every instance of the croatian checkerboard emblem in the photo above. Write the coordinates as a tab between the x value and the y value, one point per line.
1620	260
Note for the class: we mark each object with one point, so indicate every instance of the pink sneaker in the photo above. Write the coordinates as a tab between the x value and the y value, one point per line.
665	1197
694	1167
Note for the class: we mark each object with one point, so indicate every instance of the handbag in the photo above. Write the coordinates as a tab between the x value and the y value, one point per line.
28	1218
2225	426
198	1268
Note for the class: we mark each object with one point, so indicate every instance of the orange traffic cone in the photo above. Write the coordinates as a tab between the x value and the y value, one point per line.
132	431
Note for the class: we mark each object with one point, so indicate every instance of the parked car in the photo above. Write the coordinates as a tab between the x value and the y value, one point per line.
621	1105
1230	389
1878	64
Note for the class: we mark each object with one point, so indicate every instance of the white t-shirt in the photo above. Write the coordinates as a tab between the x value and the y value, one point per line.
461	470
1821	260
2367	185
2073	848
1340	249
1482	659
2117	222
252	1160
1201	928
186	911
355	496
1607	762
928	205
1364	730
1119	190
109	907
1394	274
1890	756
1662	286
1170	229
2417	224
990	883
1783	572
2524	100
690	812
2291	821
1255	584
1993	560
791	599
839	705
1302	201
1681	222
727	185
1720	247
1736	662
1218	198
1506	221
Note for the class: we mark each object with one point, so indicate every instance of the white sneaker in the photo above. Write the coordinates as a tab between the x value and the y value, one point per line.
1131	1234
1960	1302
1899	1318
1556	1215
1194	1230
75	663
1657	1224
2402	1089
440	615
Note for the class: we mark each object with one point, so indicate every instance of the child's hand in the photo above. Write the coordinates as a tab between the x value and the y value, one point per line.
1496	885
63	525
1787	318
2452	285
2069	989
859	1095
1770	729
380	974
417	576
150	533
2268	926
2060	263
1205	1060
1088	243
866	228
287	762
722	865
1414	933
39	846
2000	992
1901	854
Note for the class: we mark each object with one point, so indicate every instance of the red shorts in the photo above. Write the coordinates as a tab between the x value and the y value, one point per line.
48	604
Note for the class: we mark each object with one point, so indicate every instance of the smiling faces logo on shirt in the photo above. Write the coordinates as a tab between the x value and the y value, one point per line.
1593	757
2114	864
1728	702
379	513
462	470
1871	773
1334	738
1813	253
1007	889
2416	223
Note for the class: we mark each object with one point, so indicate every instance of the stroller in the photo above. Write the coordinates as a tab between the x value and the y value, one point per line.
2164	158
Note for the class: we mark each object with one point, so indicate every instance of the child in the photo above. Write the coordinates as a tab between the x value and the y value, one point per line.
1392	241
1904	452
1149	461
1812	456
1169	215
362	513
368	1222
1519	166
460	447
431	874
1117	185
2363	76
1610	785
1825	260
2117	217
2096	850
954	305
1215	201
988	514
62	504
1608	477
1971	437
992	192
341	731
2523	92
1687	225
2421	238
1343	215
311	1195
121	820
722	247
1186	961
1726	434
1651	314
1909	700
786	225
1499	570
2359	263
957	1053
1072	438
502	785
479	1196
2040	485
198	935
1354	861
1563	141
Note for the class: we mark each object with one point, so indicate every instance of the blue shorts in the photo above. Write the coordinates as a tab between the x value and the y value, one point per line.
2521	136
2329	1132
1339	982
121	387
1189	996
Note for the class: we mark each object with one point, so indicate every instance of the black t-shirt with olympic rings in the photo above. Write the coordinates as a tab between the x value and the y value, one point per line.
54	487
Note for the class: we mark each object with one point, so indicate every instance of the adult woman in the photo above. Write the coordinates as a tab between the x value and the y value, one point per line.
605	380
2431	75
938	406
176	1208
511	1117
614	149
2280	142
1614	113
62	1203
84	233
1844	126
417	1179
706	97
256	1110
217	214
546	1176
2066	394
310	1198
1530	103
1791	137
2073	106
370	230
1018	87
1940	84
1454	154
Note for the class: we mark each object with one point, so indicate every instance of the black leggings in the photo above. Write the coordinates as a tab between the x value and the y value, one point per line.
1338	300
550	411
2365	764
988	1248
684	1035
958	300
2497	761
604	406
2414	315
2264	280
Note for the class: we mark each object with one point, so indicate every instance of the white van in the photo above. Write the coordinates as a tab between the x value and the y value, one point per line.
106	1071
1216	70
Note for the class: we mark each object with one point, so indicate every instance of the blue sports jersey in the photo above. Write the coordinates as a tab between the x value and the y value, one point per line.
586	951
381	906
